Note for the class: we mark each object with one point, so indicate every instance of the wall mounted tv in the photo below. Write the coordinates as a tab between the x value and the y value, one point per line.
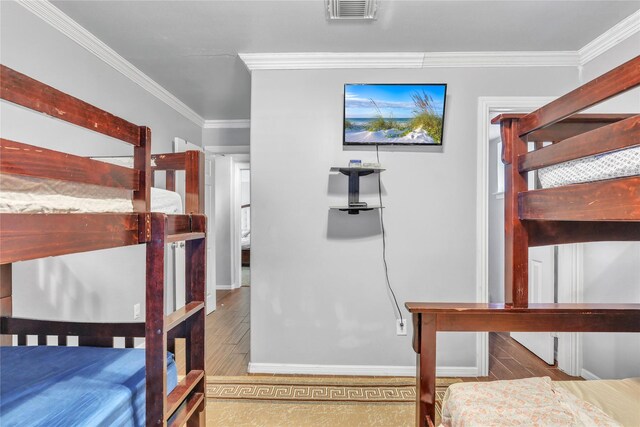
394	114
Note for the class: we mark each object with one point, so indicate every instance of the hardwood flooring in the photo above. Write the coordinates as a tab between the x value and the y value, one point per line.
228	335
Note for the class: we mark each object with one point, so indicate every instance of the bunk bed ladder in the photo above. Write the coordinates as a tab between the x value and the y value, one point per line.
185	404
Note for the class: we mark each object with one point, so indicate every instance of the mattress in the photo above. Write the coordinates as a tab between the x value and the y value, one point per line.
620	399
595	168
74	386
245	240
21	194
518	402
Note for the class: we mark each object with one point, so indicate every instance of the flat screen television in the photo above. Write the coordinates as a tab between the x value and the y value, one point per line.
394	114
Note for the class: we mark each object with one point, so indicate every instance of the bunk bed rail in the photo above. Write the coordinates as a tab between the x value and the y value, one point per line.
617	81
22	90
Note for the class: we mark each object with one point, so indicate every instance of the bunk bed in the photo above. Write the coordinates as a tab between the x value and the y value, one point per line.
95	383
595	208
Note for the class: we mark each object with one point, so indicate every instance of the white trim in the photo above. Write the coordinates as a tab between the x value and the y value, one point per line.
70	28
570	290
501	59
227	124
227	287
358	370
331	60
588	375
488	105
610	38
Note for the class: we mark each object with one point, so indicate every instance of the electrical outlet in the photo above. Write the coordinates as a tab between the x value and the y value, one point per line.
136	311
401	327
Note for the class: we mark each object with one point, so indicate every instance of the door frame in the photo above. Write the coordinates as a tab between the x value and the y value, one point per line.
240	160
569	283
181	145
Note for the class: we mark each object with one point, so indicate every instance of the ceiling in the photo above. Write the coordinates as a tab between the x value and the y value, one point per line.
191	47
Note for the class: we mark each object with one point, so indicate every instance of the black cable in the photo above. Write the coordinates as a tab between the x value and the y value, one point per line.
384	244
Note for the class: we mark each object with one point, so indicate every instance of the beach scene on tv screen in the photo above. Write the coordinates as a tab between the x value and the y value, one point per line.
394	114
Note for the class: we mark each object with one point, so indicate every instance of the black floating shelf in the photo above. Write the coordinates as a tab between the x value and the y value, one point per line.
359	171
354	175
355	210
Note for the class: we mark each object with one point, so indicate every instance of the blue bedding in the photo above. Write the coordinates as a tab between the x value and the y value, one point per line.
74	386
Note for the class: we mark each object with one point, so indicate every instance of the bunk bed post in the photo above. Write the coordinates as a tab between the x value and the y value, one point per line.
194	182
142	162
170	183
516	239
155	332
5	299
424	343
196	252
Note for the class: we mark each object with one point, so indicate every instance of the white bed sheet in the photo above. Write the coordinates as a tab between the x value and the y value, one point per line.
595	168
550	403
20	194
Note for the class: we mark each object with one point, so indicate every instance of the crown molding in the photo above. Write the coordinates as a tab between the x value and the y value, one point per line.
501	59
331	60
70	28
227	124
610	38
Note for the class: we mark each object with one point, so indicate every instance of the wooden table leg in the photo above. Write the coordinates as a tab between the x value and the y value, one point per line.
426	365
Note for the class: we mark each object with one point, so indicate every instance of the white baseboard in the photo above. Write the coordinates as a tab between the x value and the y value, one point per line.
587	375
358	370
226	287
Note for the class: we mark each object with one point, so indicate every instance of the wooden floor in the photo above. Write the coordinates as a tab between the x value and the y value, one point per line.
227	345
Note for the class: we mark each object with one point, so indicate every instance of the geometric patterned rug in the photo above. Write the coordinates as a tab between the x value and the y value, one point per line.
317	389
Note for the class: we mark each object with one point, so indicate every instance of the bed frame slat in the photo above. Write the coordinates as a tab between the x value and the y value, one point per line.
19	89
169	161
616	136
566	128
611	200
615	82
23	327
32	236
546	233
17	158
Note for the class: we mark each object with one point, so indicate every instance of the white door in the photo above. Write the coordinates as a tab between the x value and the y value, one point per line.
180	145
541	290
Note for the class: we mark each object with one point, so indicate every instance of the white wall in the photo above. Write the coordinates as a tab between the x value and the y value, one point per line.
100	285
612	269
318	291
225	136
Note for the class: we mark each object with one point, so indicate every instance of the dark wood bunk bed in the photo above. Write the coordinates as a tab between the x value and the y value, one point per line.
605	210
28	236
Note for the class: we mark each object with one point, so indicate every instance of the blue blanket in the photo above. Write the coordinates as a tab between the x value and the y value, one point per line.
74	386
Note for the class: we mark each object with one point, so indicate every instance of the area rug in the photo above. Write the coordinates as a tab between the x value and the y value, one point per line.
319	401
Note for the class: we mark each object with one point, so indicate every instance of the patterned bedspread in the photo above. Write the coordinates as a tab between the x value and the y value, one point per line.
525	402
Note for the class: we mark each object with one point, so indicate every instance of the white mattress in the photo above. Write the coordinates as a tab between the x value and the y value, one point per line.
595	168
20	194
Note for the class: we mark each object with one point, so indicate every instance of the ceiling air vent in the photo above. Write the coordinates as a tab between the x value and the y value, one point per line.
352	9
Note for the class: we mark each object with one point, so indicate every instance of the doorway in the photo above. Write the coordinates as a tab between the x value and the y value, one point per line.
228	328
245	225
490	240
